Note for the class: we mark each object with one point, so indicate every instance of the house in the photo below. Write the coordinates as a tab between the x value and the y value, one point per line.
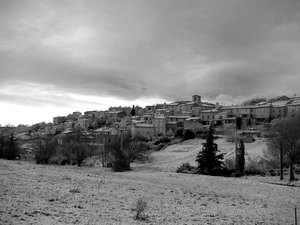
193	123
83	123
171	127
147	118
293	108
207	116
143	129
261	113
59	120
77	114
115	115
279	109
178	119
159	125
172	107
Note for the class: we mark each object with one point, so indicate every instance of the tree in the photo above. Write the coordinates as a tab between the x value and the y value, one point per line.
240	158
238	122
8	144
75	150
132	111
287	137
126	150
209	162
13	149
45	150
274	152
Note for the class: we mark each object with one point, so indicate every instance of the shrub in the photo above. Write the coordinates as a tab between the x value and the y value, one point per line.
229	163
254	167
140	208
179	133
185	168
163	139
188	134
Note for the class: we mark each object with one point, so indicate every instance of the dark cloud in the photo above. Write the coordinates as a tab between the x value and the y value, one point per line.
139	49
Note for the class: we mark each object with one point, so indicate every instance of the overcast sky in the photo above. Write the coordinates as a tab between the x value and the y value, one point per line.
60	56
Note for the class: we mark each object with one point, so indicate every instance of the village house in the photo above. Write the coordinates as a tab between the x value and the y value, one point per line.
147	118
178	119
279	109
172	107
115	115
193	123
159	125
207	116
59	120
261	113
76	114
142	129
83	123
293	108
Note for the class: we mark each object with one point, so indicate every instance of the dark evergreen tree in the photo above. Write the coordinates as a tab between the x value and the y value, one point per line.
13	150
132	111
238	122
240	158
209	162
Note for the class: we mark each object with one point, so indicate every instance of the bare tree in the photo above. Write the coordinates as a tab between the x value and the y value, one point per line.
286	136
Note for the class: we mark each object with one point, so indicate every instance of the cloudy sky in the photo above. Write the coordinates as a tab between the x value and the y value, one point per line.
61	56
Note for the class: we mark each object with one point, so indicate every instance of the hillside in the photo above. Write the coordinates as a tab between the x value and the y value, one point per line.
39	194
173	156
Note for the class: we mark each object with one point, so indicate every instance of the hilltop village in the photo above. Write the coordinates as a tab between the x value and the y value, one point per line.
165	119
102	127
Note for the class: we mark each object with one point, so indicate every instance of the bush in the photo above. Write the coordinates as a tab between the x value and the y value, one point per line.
140	208
185	168
179	133
254	167
188	134
163	139
229	163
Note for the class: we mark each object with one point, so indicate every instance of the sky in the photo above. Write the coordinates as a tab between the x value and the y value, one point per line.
58	56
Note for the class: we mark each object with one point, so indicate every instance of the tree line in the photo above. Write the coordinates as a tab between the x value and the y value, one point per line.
8	145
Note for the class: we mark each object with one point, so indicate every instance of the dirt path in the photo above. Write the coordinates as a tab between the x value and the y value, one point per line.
37	194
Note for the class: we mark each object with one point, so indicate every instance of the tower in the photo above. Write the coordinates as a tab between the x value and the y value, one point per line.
196	98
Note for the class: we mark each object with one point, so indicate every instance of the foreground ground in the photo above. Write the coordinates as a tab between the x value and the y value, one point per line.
39	194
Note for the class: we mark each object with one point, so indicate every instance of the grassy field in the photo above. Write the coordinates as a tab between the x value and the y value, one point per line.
48	194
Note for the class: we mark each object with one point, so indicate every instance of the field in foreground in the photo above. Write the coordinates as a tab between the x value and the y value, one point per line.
39	194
